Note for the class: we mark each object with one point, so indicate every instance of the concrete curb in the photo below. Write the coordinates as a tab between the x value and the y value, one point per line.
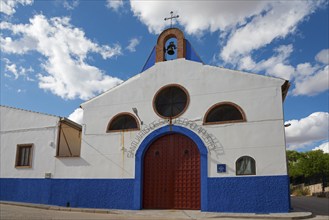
168	214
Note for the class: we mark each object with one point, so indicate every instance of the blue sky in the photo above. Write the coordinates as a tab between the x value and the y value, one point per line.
57	54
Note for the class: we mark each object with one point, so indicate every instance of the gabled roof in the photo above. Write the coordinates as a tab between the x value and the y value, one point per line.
154	68
61	119
25	110
184	51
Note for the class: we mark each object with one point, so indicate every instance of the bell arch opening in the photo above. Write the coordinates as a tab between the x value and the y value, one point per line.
171	49
162	40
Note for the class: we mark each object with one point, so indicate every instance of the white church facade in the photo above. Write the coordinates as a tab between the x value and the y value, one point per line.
179	135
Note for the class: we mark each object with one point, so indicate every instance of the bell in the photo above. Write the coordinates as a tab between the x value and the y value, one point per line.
171	48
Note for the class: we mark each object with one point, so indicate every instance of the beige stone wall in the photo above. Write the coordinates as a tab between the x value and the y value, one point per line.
310	190
316	188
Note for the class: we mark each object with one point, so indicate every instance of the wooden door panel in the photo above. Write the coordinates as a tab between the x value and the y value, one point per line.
157	176
186	174
172	174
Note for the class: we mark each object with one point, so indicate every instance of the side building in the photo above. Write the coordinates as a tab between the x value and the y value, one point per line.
30	148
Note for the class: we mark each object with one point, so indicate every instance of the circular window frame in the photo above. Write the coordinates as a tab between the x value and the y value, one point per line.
244	119
165	87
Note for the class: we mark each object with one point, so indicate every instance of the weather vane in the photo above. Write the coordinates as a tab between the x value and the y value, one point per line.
171	17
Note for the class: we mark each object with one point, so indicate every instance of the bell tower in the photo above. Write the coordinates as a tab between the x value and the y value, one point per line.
161	50
171	44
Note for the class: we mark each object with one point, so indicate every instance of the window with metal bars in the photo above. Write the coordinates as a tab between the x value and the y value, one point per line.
24	155
123	122
245	166
171	101
225	112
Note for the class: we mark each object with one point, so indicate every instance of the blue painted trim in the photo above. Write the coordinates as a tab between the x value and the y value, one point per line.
249	194
191	54
85	193
169	129
150	61
289	193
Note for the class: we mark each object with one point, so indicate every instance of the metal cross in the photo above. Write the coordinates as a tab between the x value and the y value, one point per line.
171	17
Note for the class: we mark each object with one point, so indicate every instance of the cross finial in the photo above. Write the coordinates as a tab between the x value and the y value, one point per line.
171	17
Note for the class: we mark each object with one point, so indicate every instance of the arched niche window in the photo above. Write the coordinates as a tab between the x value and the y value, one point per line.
224	112
171	101
123	122
245	166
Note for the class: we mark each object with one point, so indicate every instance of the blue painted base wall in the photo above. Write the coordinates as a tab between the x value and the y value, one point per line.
91	193
264	194
258	194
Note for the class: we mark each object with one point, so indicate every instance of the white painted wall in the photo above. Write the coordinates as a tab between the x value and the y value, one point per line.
25	127
261	137
102	155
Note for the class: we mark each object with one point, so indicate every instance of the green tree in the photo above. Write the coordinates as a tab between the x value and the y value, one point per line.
293	158
308	164
314	163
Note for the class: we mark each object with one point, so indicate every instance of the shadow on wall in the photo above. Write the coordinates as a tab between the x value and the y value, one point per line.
74	162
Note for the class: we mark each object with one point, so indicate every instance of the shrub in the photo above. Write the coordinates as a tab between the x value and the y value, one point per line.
300	191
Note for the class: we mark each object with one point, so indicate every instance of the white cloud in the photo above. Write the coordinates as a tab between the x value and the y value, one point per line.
247	63
196	17
15	71
278	21
70	4
276	66
246	25
65	48
313	84
133	44
324	147
8	6
305	69
77	116
307	130
308	79
323	56
18	47
114	4
11	67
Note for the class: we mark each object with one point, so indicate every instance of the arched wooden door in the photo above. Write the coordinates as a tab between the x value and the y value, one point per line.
172	174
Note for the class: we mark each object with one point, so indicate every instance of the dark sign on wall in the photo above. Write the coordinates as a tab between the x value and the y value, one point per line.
221	168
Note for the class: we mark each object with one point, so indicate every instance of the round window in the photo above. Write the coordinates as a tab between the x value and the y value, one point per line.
171	101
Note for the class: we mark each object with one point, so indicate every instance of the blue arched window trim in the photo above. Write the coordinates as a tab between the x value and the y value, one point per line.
138	182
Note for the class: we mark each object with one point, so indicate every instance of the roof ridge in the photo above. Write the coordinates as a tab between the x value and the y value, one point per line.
6	106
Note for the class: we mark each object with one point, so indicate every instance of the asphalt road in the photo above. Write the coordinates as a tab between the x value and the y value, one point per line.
14	212
318	206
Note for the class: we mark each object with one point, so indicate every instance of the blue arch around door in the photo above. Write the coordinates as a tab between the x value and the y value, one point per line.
138	182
